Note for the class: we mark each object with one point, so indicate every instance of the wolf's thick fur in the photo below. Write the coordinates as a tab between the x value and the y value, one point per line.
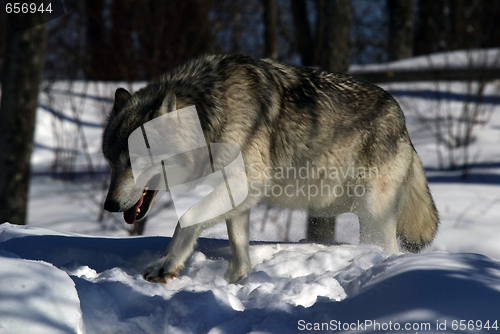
284	118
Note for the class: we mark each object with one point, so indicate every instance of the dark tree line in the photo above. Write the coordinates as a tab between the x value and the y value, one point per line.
401	19
443	25
329	46
140	39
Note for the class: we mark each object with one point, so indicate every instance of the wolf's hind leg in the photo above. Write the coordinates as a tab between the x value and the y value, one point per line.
238	230
378	229
321	229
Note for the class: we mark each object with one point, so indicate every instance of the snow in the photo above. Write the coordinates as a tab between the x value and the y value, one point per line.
54	282
460	59
66	272
37	297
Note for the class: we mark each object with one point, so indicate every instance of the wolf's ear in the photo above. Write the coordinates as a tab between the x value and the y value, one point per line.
121	97
168	104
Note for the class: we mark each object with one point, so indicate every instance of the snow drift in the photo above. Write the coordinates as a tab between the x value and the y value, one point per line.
55	282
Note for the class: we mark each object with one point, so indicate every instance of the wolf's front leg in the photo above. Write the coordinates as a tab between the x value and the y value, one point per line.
179	249
238	231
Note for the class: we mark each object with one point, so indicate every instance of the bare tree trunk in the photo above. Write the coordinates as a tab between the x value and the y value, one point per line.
121	44
426	29
303	35
96	49
490	27
3	39
467	23
336	47
236	31
319	41
270	31
138	227
22	72
400	29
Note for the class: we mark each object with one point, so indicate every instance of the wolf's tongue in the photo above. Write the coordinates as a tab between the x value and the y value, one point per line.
131	213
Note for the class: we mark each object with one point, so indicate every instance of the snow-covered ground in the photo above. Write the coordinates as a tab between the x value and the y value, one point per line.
54	282
66	272
460	59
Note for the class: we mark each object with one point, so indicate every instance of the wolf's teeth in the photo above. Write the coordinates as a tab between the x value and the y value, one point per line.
138	210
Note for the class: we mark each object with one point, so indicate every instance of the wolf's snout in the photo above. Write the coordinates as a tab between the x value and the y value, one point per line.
111	205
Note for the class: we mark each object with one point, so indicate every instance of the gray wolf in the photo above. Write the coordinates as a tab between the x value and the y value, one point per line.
310	139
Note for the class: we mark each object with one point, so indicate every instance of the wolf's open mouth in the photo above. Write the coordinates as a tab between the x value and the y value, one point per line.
141	208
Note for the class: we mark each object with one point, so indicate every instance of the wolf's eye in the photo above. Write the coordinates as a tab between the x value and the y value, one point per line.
125	160
109	163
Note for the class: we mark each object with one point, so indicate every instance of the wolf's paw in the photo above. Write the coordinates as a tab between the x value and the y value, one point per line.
234	274
157	274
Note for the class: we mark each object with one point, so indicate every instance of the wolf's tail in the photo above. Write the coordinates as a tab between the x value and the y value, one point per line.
418	219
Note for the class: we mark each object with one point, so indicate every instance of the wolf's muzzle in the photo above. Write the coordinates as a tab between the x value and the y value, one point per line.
111	205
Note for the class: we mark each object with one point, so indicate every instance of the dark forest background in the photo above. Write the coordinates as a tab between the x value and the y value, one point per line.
140	39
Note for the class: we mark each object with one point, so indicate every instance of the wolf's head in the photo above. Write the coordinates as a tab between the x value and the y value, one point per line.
130	112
